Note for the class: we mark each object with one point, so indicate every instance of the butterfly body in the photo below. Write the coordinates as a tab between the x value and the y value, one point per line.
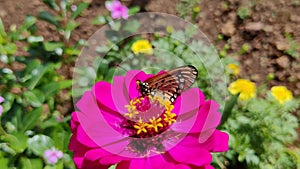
170	84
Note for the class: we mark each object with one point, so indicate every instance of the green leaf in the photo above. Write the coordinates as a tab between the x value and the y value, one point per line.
51	46
69	28
2	29
80	8
134	10
3	163
48	17
35	99
31	119
51	4
112	167
61	138
38	144
50	167
27	163
30	66
112	35
10	48
9	100
53	87
36	75
72	51
17	141
29	21
132	26
49	123
99	20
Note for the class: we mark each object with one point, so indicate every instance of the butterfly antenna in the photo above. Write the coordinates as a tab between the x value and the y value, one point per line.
134	77
119	66
127	71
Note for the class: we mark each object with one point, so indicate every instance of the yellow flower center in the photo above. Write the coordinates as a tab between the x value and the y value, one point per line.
149	116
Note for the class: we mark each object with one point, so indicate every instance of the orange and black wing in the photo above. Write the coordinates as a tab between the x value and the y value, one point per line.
171	84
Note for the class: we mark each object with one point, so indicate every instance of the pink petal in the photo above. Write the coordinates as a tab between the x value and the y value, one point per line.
182	166
188	101
93	165
191	155
124	12
110	160
84	139
220	141
116	14
78	161
190	140
74	121
123	165
96	154
223	139
1	110
208	167
78	148
132	164
187	110
108	5
102	92
95	125
158	162
1	99
120	96
112	6
203	120
116	4
59	154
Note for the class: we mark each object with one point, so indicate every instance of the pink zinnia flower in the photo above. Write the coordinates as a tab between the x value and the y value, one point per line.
116	125
1	108
117	9
52	155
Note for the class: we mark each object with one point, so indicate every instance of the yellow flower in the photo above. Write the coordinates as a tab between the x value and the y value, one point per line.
142	46
234	68
281	94
245	87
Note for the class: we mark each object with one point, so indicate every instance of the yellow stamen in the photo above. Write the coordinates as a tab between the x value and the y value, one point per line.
155	123
169	117
131	114
169	106
140	126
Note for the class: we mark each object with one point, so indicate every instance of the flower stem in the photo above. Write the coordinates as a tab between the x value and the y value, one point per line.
2	131
228	108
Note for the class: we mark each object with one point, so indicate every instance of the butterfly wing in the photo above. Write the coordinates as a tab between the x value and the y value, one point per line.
169	85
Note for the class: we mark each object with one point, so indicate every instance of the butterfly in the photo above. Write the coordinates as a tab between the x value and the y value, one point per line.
170	84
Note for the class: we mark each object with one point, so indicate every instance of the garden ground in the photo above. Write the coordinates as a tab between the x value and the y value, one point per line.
265	31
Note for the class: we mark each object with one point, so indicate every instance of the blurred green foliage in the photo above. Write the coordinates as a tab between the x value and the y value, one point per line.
188	8
294	47
244	12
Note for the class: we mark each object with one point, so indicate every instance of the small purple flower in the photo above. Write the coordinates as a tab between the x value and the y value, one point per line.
52	155
1	108
117	9
73	7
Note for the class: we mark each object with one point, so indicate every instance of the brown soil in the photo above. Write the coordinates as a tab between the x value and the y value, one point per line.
264	31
